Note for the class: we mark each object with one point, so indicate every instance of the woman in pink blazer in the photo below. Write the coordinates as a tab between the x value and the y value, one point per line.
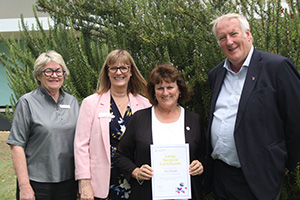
101	123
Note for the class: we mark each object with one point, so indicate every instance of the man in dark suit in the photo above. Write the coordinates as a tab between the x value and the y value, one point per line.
254	122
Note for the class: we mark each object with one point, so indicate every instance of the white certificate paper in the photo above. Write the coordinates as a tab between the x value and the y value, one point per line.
171	178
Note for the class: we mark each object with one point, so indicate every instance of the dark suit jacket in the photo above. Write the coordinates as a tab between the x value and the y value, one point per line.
267	129
134	150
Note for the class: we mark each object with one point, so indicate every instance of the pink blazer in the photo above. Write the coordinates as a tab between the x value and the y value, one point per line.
92	140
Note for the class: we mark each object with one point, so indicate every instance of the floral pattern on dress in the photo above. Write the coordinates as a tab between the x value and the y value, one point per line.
119	186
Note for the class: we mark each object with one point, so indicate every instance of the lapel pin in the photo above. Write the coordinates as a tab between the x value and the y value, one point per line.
253	78
188	128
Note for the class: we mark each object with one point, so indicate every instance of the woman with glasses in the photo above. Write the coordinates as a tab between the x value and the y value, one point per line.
101	123
42	135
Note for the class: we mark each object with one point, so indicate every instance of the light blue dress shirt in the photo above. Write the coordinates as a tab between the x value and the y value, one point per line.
224	116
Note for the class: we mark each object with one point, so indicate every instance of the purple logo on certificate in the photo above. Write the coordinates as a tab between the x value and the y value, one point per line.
181	188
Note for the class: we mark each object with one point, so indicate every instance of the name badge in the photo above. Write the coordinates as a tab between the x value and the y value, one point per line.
100	115
64	106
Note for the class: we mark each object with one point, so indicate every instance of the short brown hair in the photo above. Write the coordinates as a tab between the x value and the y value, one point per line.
168	73
137	83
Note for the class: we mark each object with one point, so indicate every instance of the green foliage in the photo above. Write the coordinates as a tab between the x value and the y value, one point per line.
154	32
178	31
83	58
291	190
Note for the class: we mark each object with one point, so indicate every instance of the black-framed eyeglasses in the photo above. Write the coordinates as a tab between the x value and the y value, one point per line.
49	72
123	69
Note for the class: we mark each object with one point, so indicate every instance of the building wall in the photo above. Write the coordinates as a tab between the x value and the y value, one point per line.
13	9
5	91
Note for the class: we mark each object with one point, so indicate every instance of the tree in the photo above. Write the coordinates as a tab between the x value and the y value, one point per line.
178	31
66	41
154	32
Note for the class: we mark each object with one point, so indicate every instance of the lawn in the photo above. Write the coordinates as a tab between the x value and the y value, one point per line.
7	173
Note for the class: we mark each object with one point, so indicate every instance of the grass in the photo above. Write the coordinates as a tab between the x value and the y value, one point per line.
7	173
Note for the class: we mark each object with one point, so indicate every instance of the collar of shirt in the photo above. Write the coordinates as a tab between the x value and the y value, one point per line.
245	64
45	92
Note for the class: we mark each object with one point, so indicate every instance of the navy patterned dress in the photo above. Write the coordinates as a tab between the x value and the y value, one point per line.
119	187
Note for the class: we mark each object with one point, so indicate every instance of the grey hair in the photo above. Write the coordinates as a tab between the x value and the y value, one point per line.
244	24
44	59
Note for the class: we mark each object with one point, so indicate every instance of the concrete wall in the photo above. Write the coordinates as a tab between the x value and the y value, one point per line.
13	9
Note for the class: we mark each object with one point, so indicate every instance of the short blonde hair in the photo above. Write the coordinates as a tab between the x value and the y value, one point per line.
137	83
44	59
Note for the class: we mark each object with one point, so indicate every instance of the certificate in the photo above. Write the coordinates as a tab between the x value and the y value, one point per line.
171	178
